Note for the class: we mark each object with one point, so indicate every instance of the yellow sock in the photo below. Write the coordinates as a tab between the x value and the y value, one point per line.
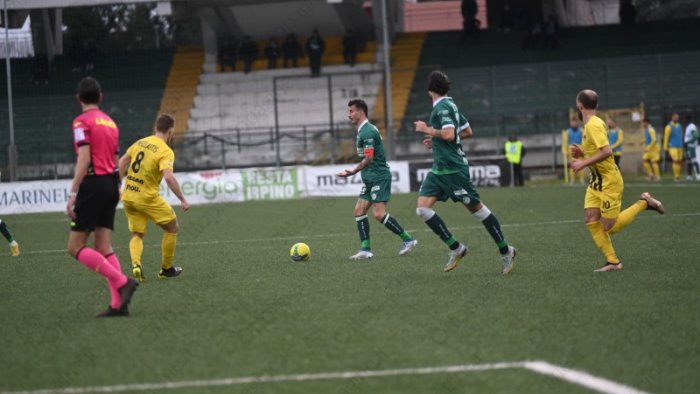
626	217
136	249
657	172
677	169
603	242
572	175
647	168
167	248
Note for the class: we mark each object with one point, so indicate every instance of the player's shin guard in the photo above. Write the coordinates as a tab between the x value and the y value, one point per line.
657	171
136	249
167	248
489	220
626	217
603	241
393	225
647	168
363	231
438	226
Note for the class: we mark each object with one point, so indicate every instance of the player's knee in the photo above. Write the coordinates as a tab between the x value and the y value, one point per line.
138	235
172	227
425	213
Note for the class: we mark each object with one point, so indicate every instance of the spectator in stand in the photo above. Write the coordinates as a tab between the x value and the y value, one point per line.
533	38
227	54
551	39
628	14
315	47
507	20
272	52
248	52
470	24
291	50
351	44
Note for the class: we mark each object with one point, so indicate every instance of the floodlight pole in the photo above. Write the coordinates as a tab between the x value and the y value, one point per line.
388	105
12	149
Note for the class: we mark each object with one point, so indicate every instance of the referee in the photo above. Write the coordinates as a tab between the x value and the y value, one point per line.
94	195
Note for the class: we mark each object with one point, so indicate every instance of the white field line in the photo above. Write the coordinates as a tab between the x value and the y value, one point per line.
334	235
541	367
580	378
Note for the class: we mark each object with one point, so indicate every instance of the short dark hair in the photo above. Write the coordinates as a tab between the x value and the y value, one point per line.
689	118
164	122
89	91
588	98
646	120
438	82
359	104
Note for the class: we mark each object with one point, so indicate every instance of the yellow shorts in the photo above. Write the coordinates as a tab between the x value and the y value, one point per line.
138	213
676	154
653	156
609	200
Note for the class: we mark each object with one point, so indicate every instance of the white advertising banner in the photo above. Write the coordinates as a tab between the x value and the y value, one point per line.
31	197
215	186
206	187
322	181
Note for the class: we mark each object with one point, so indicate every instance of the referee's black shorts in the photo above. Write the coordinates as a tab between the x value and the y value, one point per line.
96	203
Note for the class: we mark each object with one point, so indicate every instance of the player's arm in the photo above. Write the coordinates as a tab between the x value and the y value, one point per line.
667	137
81	168
124	162
174	185
466	132
602	154
465	129
447	133
367	160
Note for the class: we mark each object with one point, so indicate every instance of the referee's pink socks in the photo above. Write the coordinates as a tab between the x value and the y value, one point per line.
97	262
114	262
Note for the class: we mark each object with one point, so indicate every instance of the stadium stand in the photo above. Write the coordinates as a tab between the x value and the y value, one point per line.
133	83
240	109
520	86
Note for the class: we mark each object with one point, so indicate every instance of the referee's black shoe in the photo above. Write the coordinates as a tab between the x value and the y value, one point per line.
111	312
126	292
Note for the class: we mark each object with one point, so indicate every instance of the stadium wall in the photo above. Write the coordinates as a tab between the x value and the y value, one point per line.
251	184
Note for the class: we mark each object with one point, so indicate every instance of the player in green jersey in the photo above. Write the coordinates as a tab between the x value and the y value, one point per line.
376	177
449	176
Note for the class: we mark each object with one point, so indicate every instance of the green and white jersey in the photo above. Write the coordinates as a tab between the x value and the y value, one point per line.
369	142
448	156
691	135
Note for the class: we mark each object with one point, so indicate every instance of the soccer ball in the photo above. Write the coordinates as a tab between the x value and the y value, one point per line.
300	252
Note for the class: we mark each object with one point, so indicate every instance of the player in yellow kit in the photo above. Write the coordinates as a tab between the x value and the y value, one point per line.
604	193
144	165
652	151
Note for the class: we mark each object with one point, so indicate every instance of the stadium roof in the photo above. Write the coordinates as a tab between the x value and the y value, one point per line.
40	4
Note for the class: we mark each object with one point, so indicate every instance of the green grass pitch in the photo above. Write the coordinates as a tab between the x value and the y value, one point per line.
243	308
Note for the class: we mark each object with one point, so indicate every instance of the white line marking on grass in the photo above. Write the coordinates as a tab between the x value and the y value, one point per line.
334	235
541	367
580	378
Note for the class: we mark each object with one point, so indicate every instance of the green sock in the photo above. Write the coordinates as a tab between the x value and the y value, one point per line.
363	230
394	226
5	232
438	226
494	228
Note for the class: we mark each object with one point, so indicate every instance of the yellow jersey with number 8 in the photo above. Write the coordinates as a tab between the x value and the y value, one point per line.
149	157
